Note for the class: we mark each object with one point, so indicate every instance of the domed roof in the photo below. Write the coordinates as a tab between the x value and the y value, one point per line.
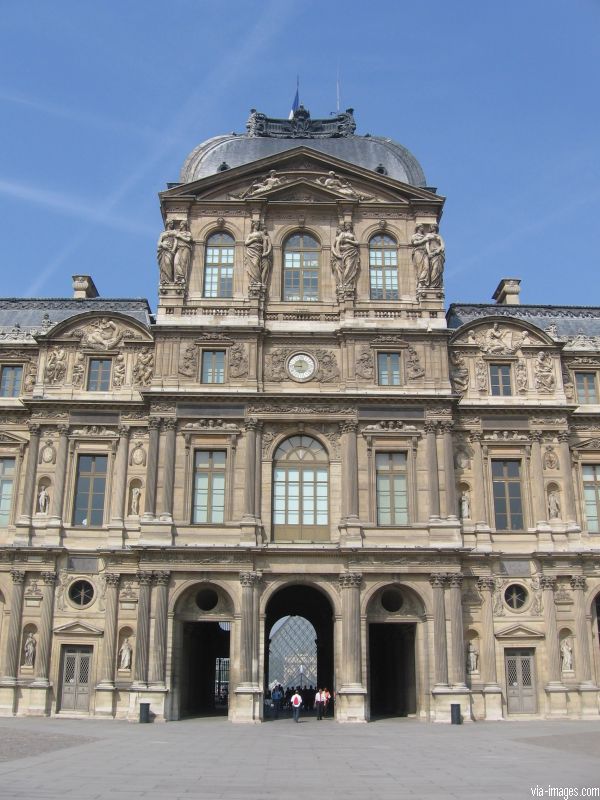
333	136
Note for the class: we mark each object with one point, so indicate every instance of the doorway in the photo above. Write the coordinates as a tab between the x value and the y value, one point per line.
75	683
392	676
205	668
520	681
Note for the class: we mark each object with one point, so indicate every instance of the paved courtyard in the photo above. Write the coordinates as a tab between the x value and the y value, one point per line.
209	758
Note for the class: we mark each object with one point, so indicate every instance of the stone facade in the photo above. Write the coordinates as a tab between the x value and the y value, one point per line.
300	429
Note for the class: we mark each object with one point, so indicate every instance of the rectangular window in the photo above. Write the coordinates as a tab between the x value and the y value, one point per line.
585	383
388	369
392	498
218	274
213	366
500	380
384	274
90	490
10	380
508	505
209	486
301	276
99	374
591	494
7	477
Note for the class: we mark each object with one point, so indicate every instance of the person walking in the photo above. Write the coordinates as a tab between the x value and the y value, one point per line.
319	703
276	697
296	704
326	697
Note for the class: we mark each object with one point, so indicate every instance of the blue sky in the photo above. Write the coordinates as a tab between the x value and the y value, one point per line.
102	101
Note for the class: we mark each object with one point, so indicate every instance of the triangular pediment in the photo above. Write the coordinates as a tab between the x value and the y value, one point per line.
519	632
588	444
79	629
10	438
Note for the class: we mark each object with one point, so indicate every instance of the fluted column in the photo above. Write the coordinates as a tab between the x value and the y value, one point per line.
456	627
350	467
11	659
151	469
160	627
28	507
120	477
250	485
486	586
60	475
248	581
110	629
432	470
570	513
540	512
548	585
351	645
143	627
42	661
440	644
583	667
170	427
451	504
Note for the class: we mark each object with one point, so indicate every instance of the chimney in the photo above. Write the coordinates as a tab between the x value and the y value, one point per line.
84	287
507	293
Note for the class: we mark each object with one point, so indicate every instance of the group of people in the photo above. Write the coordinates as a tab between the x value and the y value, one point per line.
307	697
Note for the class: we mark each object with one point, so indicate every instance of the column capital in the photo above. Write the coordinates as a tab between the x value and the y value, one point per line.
348	426
430	426
154	423
169	424
123	430
249	579
34	428
161	578
476	436
578	582
349	580
63	430
536	436
49	578
446	426
438	579
144	578
486	583
563	436
17	575
251	424
455	579
112	578
548	582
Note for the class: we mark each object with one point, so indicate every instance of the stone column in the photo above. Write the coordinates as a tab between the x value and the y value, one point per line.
583	667
60	475
540	512
120	477
548	585
28	507
42	660
160	627
440	645
110	629
456	626
569	512
248	581
432	470
13	641
478	495
170	427
351	645
350	467
486	586
143	627
451	504
250	485
151	469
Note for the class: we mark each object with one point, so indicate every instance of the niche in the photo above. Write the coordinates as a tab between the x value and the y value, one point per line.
553	501
464	501
472	653
29	647
42	498
125	651
134	498
565	637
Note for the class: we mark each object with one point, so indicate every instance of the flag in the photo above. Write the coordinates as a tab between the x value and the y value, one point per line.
296	102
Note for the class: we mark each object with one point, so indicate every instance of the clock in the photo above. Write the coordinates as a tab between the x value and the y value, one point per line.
301	367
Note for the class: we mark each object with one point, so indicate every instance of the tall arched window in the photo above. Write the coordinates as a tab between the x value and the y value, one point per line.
301	490
301	268
218	265
383	267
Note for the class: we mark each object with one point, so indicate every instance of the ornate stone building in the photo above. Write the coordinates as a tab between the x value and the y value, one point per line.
299	430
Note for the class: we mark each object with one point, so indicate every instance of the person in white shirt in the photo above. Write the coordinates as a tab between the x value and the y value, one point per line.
296	702
319	703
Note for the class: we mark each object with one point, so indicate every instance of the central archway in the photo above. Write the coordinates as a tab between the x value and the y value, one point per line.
311	605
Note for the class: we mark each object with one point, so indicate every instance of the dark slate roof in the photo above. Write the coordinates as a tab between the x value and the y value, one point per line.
564	321
39	315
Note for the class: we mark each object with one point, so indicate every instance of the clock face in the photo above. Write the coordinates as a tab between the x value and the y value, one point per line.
301	366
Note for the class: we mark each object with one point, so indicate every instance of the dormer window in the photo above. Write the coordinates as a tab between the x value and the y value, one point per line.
383	267
99	374
301	257
11	377
500	380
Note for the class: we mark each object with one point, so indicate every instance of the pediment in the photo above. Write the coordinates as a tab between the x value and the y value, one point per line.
10	438
100	332
588	444
499	336
519	632
79	629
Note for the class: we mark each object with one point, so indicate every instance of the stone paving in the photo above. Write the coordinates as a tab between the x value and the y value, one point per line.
210	758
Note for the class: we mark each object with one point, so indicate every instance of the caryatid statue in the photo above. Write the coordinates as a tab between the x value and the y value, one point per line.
429	255
346	258
258	254
183	253
165	253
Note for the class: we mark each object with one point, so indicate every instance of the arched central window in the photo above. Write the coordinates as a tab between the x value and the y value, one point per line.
218	266
383	267
301	268
300	490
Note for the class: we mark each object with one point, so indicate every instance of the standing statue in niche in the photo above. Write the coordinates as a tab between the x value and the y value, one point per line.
165	253
136	494
183	253
29	650
429	256
566	655
554	504
472	658
125	655
346	258
43	500
465	506
259	254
